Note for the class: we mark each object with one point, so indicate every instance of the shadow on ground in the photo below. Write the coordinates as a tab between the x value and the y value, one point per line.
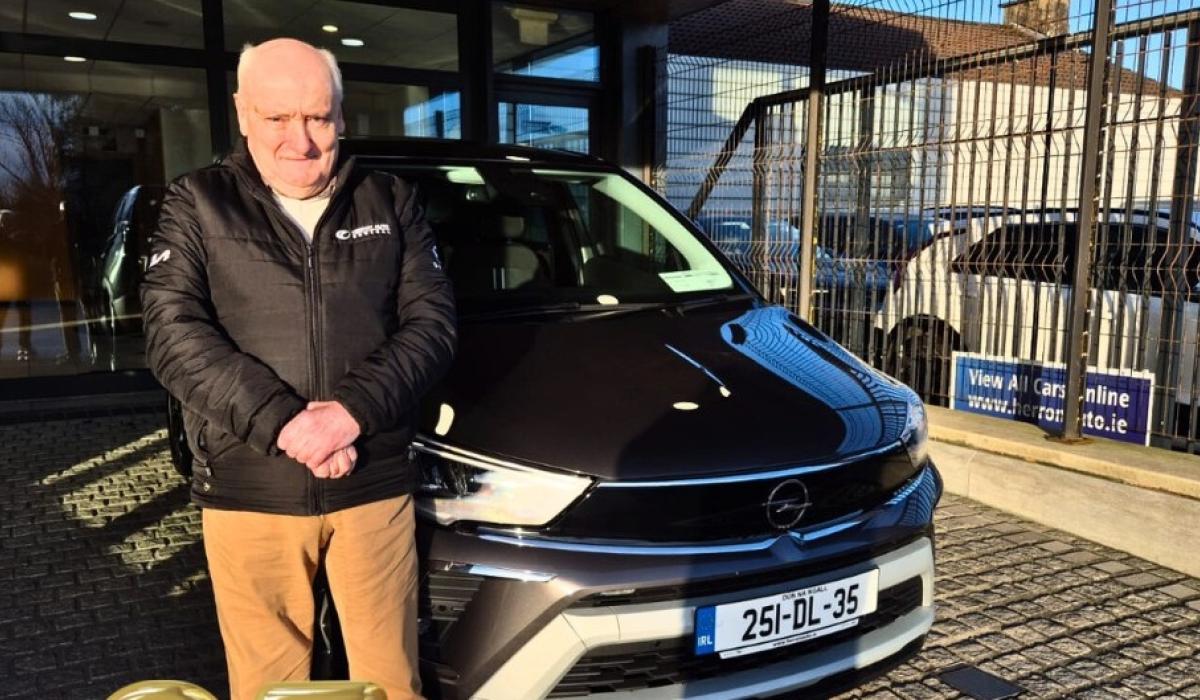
101	564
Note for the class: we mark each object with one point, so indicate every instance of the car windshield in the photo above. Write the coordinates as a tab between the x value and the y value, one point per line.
516	237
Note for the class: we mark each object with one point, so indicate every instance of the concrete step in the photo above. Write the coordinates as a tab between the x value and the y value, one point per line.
1145	501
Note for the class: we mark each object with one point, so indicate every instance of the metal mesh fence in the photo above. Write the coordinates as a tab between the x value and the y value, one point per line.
951	196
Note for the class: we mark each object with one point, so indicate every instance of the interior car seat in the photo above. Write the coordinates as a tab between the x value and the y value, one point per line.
497	256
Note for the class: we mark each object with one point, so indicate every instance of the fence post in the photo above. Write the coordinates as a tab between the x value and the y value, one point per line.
852	299
813	148
760	253
1089	177
1183	192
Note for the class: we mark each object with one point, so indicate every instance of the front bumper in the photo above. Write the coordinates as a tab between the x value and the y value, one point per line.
536	669
536	638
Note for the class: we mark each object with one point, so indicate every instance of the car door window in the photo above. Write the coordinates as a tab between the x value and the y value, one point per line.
1033	252
1143	259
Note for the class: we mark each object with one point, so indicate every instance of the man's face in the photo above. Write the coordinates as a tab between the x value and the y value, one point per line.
286	111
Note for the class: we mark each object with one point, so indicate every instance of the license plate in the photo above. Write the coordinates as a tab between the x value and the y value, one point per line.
773	621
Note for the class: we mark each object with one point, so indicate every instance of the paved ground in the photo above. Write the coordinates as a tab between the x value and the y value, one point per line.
1060	616
102	583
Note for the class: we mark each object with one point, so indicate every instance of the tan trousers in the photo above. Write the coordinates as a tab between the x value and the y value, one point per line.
262	568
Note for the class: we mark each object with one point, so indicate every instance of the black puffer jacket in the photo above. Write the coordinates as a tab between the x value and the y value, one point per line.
246	322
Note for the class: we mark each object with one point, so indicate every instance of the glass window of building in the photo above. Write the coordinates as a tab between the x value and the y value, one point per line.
388	110
175	23
85	151
547	43
354	31
544	126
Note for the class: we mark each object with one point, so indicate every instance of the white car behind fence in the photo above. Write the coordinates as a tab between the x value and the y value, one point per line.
1000	287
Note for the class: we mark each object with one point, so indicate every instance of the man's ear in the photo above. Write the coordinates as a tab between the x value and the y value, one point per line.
341	122
243	112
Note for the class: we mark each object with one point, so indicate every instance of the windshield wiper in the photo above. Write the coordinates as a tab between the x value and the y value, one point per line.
710	301
582	310
560	309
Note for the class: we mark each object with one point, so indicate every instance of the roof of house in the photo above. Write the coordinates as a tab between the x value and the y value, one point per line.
860	38
869	39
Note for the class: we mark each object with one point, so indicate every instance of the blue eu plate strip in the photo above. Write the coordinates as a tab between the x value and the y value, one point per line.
706	630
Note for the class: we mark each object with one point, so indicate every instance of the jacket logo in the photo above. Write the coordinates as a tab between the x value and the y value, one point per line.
159	257
363	232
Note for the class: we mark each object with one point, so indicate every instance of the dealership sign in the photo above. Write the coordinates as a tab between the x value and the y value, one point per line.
1116	404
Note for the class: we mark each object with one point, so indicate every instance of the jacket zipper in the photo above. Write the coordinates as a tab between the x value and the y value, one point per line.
310	283
314	491
312	485
318	347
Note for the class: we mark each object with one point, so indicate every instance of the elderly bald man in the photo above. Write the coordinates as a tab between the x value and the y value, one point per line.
299	356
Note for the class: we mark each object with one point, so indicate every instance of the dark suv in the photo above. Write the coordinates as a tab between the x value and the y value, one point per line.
638	476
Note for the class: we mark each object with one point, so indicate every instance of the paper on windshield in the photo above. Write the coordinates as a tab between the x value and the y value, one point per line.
695	280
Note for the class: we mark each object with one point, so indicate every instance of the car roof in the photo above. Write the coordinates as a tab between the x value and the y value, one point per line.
445	150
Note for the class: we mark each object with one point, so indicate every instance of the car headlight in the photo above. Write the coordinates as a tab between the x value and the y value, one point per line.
916	430
458	486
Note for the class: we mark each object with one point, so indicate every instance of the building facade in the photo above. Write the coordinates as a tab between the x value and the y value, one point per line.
103	104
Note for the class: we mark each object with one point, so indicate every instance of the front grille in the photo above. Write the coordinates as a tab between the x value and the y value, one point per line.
728	511
653	664
730	584
441	600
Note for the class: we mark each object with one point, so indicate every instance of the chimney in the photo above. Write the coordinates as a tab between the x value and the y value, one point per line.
1046	17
